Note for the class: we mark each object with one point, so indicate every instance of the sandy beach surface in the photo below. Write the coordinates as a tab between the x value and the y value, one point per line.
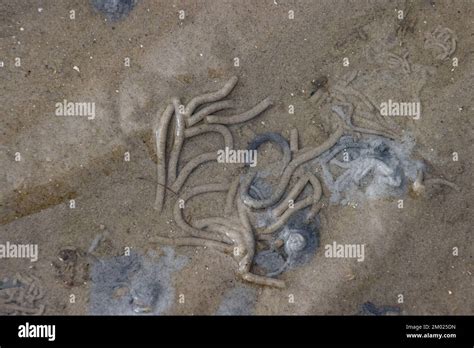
82	188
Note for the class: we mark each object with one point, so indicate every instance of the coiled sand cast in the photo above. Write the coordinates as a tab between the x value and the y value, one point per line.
232	234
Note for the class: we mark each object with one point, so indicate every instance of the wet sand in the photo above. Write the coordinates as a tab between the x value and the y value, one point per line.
408	251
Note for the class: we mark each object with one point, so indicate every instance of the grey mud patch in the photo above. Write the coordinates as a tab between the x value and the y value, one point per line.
135	284
114	10
238	301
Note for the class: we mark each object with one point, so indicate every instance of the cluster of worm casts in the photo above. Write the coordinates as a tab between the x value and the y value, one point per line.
232	234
